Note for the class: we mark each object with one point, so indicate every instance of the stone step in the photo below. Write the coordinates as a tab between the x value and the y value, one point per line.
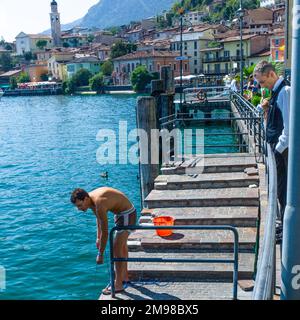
187	289
211	164
205	181
234	216
205	240
203	198
165	271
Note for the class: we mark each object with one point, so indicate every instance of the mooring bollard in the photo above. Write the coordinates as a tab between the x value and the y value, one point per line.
147	121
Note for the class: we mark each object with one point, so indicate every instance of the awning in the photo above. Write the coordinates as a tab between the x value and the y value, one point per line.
190	77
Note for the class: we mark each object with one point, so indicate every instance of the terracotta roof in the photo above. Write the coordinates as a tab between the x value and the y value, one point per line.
38	36
85	59
135	31
237	38
74	36
259	15
10	73
147	54
263	53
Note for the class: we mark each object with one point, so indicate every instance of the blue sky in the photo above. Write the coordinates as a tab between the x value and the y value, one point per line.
32	16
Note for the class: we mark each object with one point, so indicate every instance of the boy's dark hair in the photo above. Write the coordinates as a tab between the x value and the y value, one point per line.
79	194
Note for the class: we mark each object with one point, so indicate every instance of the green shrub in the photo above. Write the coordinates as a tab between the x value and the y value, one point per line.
141	77
256	100
96	82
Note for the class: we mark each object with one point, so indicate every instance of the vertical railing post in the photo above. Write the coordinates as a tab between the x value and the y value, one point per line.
236	264
112	269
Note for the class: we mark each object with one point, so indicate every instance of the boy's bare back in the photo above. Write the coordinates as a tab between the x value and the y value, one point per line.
114	200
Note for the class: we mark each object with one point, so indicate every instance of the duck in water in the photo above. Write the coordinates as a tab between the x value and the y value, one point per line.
104	175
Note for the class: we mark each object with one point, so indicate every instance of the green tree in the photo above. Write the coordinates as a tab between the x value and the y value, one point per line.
82	77
114	30
96	82
90	38
28	56
75	42
69	86
140	78
248	71
8	47
6	62
120	48
23	77
41	44
107	68
13	83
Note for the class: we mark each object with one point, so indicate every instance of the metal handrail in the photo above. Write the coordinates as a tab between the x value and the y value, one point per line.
234	261
266	273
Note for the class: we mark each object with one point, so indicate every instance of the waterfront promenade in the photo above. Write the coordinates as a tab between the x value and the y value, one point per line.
214	190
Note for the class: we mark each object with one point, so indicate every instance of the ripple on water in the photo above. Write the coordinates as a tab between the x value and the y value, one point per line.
48	147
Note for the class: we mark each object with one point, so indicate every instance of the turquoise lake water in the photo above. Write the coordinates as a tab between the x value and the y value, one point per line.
48	148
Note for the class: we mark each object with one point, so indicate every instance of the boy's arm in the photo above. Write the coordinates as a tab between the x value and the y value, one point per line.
102	222
98	234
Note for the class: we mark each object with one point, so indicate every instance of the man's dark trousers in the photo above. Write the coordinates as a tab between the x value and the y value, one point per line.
282	174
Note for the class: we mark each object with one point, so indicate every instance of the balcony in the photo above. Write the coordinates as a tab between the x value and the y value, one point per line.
222	59
216	72
216	59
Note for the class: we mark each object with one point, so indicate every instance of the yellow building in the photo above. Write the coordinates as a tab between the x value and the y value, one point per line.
226	56
195	39
57	65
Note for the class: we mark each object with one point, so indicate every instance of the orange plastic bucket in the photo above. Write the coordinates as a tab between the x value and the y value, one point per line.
164	221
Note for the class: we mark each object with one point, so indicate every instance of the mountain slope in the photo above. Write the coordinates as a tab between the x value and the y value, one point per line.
108	13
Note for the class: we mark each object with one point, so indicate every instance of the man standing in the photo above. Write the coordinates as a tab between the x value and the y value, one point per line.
277	128
100	201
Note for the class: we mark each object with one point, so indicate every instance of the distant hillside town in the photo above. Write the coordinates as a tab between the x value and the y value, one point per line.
210	49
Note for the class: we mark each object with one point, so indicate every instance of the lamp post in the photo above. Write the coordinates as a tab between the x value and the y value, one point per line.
290	274
181	13
240	14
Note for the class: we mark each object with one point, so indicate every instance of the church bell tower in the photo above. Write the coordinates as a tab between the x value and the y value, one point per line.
55	24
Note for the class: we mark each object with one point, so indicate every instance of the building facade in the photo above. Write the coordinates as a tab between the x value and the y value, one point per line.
28	42
194	17
90	63
193	42
226	57
152	60
74	41
278	47
57	67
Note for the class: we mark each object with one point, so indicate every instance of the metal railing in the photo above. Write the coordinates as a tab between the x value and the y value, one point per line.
266	272
234	261
253	121
212	93
254	124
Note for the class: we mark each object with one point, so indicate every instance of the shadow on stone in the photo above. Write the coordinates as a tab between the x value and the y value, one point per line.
174	236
